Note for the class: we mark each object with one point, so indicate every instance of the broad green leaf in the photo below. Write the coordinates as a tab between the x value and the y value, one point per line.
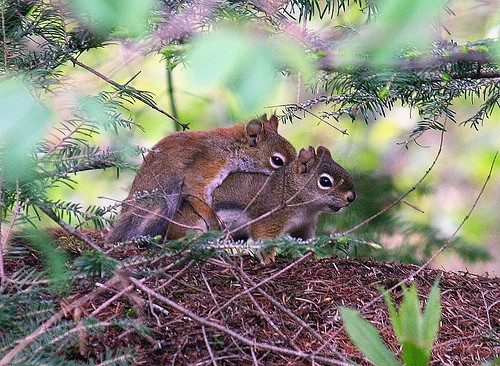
366	337
398	25
432	315
411	318
23	121
234	65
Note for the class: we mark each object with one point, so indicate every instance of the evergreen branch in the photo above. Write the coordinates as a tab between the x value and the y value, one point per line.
57	174
68	228
4	36
129	90
293	107
42	329
4	237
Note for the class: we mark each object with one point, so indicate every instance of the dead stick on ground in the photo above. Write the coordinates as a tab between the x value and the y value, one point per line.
232	333
262	313
263	282
209	347
24	343
288	312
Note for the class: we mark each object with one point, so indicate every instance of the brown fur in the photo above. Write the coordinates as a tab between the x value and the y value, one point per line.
286	202
193	164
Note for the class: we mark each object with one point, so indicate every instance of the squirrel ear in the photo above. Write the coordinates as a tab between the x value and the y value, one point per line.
324	151
304	157
271	123
253	130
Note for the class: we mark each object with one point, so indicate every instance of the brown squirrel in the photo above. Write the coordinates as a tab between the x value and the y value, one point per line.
192	164
288	201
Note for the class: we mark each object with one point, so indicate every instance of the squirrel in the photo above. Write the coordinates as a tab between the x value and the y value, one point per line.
191	164
289	201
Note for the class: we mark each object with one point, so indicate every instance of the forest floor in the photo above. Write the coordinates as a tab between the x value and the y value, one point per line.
233	311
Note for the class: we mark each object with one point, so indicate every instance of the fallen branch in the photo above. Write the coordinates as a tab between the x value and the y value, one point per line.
249	342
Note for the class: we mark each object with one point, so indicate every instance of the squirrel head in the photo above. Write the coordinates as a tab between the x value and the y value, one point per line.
263	143
320	181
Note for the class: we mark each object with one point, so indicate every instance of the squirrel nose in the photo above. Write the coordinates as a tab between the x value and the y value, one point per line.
351	196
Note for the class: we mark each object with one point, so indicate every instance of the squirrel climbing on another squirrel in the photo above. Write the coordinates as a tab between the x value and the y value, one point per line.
191	165
289	201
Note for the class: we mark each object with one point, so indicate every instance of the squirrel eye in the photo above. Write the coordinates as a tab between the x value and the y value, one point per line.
325	181
277	160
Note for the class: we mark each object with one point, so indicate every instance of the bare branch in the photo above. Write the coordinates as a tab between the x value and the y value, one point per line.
401	198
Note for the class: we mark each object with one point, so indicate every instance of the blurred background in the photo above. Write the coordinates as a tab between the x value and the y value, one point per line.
382	164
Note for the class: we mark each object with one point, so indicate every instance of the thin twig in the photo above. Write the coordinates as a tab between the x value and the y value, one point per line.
264	315
111	299
401	198
149	212
209	347
68	228
26	341
263	282
305	110
286	311
118	86
232	333
4	40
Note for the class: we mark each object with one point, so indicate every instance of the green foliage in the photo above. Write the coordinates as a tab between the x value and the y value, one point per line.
28	301
366	338
94	265
24	121
243	64
53	256
416	332
382	38
237	49
128	17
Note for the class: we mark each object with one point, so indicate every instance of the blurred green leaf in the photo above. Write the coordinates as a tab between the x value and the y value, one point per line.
127	16
365	336
243	65
53	256
398	24
23	121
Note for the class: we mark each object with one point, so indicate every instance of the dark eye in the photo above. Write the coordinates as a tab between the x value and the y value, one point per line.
277	160
325	181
